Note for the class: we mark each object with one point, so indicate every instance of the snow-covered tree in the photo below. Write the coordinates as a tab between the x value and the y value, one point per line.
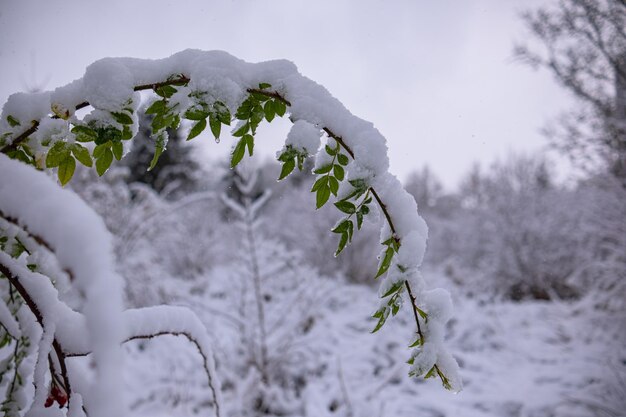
60	289
276	351
583	45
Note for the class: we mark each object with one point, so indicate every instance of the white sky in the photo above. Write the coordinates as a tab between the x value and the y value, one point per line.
435	76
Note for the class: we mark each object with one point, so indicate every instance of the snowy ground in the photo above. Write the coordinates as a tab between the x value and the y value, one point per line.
517	359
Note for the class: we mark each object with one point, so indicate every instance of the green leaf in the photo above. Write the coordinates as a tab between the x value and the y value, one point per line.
359	220
106	134
197	129
381	315
196	114
259	97
223	114
394	289
104	162
165	91
257	115
358	183
82	154
158	122
241	130
338	171
341	227
323	194
287	154
343	241
20	155
334	185
431	373
321	182
330	151
418	342
127	133
245	110
263	86
238	153
345	206
84	133
174	121
98	151
279	107
422	313
66	170
216	126
350	231
385	262
288	167
270	113
118	150
249	143
394	306
57	154
343	159
158	106
12	121
122	118
160	144
323	170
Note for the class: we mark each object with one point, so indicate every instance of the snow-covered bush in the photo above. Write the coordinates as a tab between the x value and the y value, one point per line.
56	258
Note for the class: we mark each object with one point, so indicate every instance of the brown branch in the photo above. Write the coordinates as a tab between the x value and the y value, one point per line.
181	80
383	207
14	280
36	238
166	333
272	94
414	306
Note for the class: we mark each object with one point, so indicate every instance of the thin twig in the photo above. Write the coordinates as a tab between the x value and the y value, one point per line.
272	94
168	333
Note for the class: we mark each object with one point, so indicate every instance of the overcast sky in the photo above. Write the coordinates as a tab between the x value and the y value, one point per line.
435	76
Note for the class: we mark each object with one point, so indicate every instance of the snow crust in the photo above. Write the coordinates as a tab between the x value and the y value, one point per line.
304	136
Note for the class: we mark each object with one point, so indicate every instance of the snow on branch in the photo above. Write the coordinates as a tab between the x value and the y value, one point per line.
213	89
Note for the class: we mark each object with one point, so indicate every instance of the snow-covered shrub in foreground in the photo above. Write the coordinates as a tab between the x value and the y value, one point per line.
56	256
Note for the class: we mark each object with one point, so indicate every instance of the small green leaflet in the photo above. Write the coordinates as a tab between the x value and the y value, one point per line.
288	167
165	91
12	121
216	126
57	154
197	129
118	150
322	196
82	154
394	289
238	152
84	133
66	170
122	118
160	146
157	107
104	161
